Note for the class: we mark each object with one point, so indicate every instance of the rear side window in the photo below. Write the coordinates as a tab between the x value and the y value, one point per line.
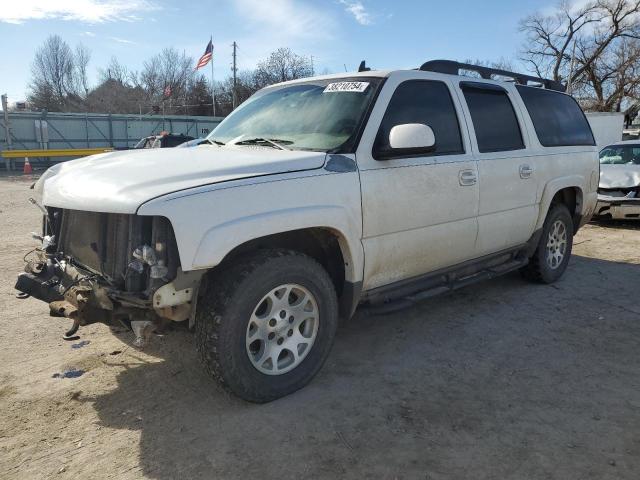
422	101
494	119
557	118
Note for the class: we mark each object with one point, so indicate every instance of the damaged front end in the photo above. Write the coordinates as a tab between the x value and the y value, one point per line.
110	268
619	203
619	187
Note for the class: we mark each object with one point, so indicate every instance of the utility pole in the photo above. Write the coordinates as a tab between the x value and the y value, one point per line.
7	131
312	69
235	75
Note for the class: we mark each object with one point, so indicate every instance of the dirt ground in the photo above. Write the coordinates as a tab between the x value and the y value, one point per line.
500	380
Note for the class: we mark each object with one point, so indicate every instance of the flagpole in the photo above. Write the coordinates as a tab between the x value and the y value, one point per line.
213	86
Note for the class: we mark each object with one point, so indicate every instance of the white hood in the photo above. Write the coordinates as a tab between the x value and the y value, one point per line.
619	176
119	182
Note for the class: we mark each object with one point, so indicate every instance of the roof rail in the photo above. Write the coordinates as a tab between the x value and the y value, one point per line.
453	68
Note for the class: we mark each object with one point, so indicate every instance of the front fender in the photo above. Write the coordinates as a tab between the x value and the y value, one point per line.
222	239
209	223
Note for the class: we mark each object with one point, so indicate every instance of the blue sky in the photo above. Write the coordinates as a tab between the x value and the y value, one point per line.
387	34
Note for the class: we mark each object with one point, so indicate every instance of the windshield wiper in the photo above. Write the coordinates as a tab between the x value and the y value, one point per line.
274	142
212	142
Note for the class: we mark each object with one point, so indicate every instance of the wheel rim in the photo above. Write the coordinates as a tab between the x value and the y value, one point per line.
282	329
556	244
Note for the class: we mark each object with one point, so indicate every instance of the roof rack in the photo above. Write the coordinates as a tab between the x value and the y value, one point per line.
453	68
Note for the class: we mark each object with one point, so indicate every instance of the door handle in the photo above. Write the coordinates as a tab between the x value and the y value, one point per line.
467	177
525	171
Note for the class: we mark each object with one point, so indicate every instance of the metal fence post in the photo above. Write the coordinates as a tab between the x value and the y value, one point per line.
86	128
7	132
110	131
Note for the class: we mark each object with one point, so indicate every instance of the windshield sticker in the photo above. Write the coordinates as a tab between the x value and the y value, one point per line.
357	87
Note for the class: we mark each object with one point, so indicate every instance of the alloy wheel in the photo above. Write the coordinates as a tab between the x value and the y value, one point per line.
282	329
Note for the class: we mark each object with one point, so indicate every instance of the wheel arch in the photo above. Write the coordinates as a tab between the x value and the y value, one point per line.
566	191
327	245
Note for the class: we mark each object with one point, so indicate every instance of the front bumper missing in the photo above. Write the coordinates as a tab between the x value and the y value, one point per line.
86	297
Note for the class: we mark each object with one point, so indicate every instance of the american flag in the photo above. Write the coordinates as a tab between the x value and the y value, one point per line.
204	59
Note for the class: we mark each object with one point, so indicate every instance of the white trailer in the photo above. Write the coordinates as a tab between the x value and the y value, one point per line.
606	126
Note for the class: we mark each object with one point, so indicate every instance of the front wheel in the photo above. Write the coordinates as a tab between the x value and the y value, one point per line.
265	325
551	257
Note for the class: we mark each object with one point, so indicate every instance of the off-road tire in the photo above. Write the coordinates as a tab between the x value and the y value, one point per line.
225	306
538	270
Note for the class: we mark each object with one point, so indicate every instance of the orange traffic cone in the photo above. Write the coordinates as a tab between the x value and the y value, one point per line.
27	170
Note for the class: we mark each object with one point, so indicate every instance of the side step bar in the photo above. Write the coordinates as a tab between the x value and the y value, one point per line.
405	294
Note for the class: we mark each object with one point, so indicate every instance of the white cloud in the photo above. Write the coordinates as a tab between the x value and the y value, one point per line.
265	25
121	40
358	10
286	19
88	34
86	11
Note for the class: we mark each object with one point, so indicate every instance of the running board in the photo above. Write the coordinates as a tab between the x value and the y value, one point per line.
406	294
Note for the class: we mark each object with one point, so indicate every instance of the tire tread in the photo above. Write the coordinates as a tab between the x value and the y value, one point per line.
214	306
534	271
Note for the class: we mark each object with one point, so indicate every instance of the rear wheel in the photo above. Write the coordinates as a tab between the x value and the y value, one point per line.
551	257
265	325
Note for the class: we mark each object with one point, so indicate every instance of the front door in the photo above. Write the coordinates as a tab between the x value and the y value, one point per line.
419	211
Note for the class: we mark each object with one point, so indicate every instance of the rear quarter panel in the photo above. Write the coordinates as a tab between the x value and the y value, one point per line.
556	168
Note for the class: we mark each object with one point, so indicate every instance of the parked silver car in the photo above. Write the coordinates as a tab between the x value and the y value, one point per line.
619	190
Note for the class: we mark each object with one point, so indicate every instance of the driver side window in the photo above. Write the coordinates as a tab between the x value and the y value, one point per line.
421	101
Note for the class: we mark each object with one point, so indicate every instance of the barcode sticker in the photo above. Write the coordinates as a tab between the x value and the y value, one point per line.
356	87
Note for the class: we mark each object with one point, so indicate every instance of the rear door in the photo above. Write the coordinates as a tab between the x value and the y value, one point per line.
508	181
419	211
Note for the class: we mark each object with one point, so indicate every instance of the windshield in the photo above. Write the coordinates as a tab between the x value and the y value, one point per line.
321	115
142	143
620	155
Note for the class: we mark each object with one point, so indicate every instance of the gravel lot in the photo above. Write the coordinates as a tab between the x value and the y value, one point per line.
503	379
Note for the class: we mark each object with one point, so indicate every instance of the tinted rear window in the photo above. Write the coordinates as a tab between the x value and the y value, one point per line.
557	118
494	120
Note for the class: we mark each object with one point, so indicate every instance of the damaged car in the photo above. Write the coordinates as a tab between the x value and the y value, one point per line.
375	188
619	190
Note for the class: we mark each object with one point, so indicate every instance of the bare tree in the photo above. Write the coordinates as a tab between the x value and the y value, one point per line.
594	36
167	75
550	37
52	74
59	75
246	86
281	66
611	78
118	72
81	60
113	96
167	82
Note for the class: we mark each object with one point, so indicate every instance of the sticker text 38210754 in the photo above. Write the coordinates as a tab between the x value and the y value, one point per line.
355	87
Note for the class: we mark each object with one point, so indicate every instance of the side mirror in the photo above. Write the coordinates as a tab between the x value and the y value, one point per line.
407	140
412	136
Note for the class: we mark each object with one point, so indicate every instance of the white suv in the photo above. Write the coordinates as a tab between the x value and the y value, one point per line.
313	197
